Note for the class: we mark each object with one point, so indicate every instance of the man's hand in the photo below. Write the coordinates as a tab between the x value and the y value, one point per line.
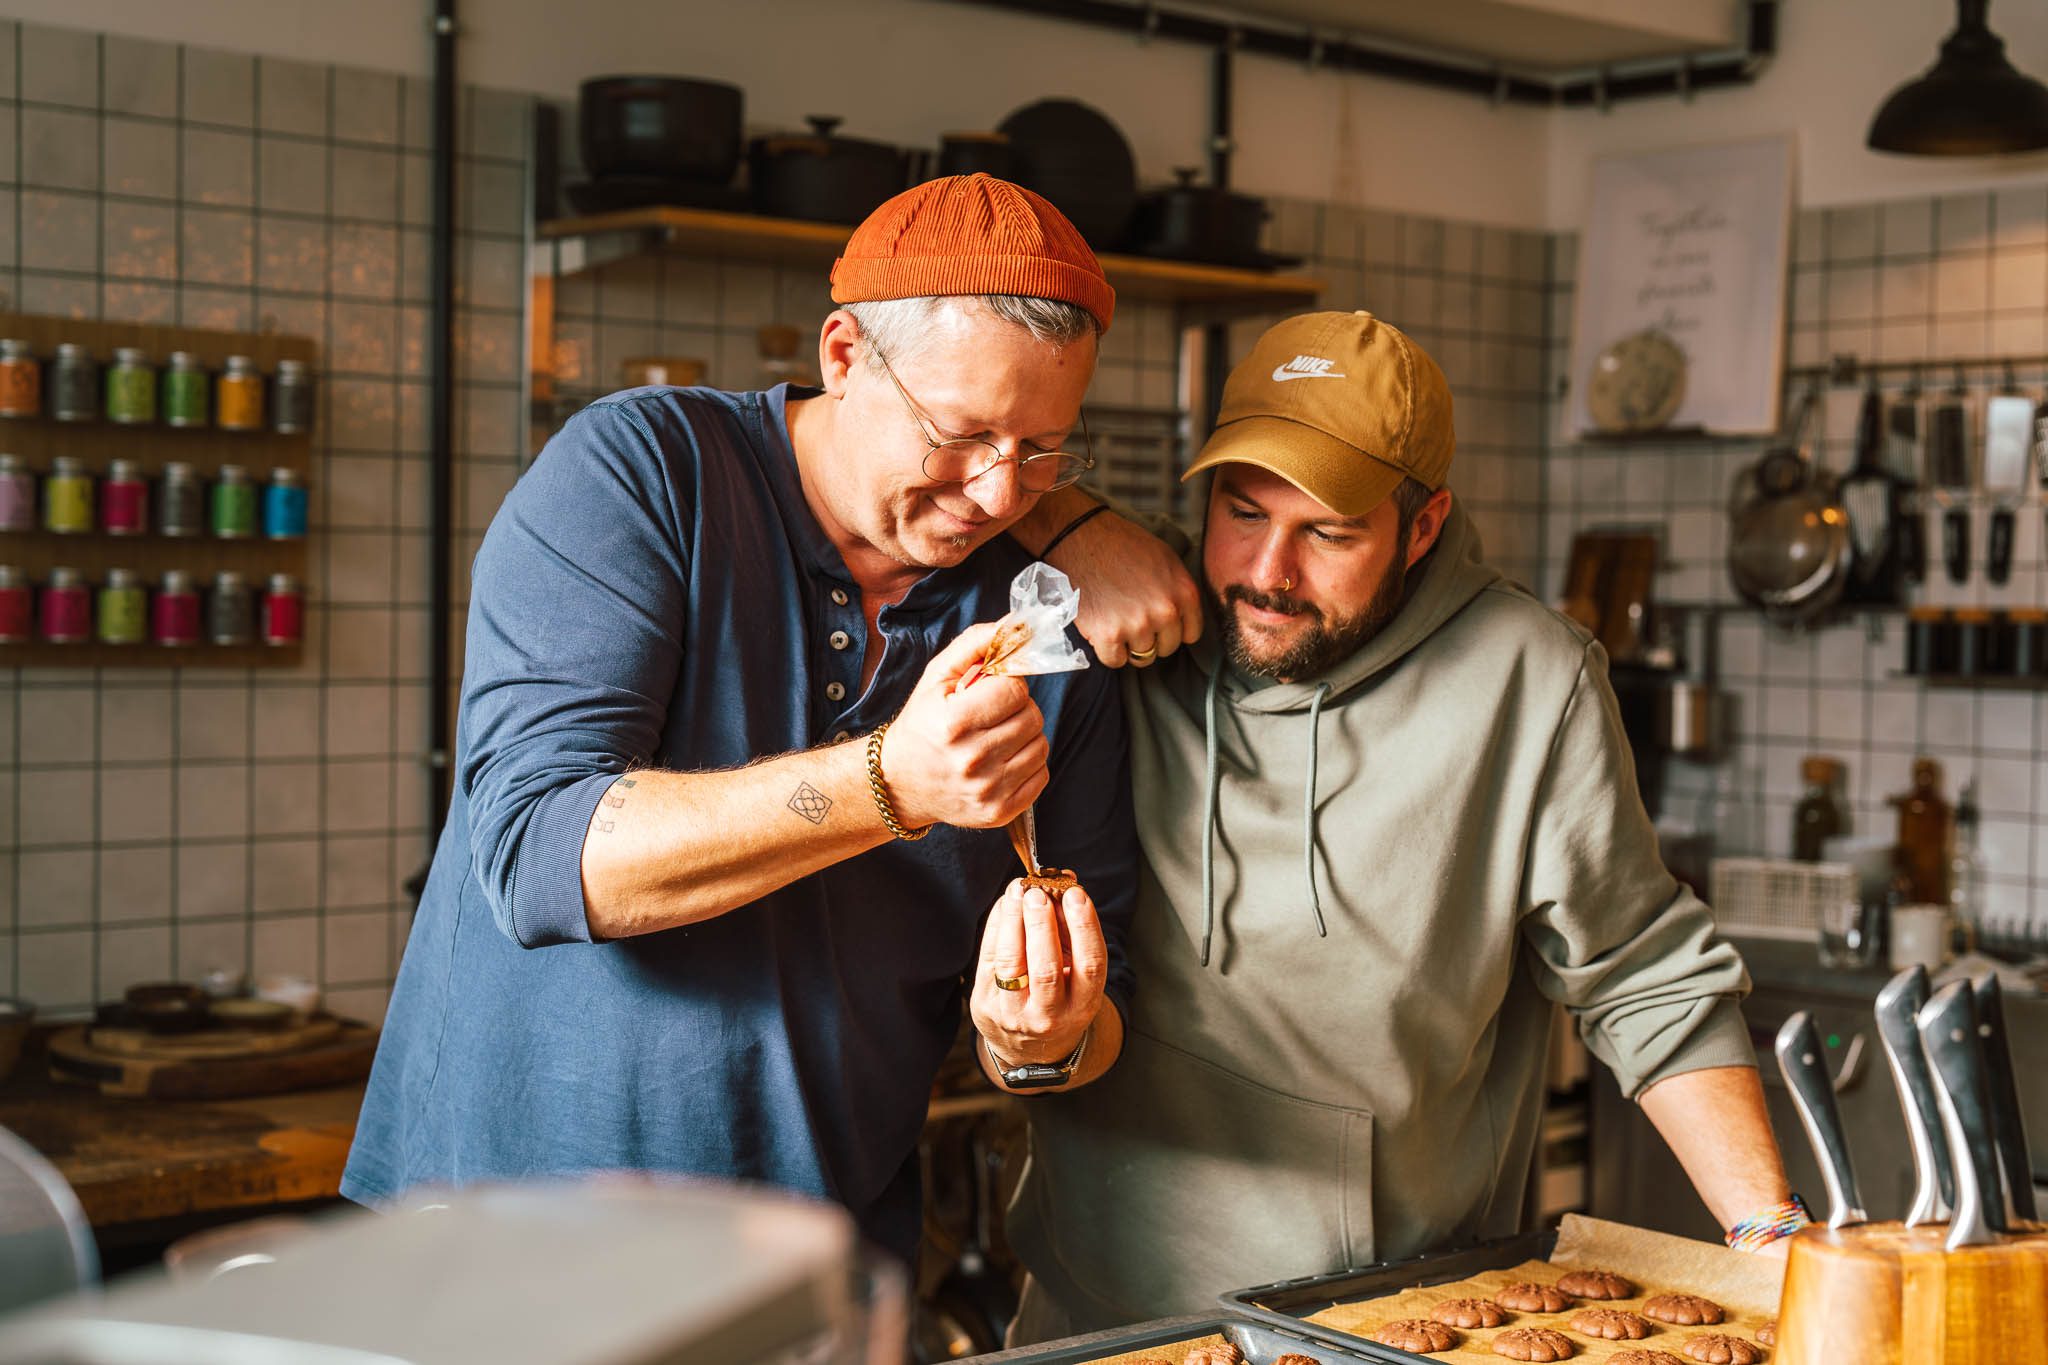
974	757
1061	953
1138	601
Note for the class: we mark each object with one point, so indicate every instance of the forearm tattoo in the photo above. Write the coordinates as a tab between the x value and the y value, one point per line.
810	803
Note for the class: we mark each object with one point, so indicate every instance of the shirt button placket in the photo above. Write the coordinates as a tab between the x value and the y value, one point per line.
835	691
839	639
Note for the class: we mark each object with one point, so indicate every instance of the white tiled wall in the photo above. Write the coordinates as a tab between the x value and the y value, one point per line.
158	823
1959	277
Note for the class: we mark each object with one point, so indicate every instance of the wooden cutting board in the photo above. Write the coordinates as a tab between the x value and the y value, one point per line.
129	1064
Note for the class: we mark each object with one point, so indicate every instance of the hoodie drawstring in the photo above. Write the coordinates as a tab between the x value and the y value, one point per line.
1209	794
1308	811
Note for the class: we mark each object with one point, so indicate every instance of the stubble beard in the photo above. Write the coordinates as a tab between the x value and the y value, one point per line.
1324	645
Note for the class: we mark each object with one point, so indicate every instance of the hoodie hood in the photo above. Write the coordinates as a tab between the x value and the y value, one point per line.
1453	573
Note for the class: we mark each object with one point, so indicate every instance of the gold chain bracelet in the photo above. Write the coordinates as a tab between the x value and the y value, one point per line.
882	793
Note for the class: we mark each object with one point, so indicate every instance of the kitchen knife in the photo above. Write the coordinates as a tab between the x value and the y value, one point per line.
2008	445
1948	461
1948	1030
1897	1005
1902	456
1804	1064
2008	1124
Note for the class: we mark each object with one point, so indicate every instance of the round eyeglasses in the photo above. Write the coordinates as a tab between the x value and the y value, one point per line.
965	459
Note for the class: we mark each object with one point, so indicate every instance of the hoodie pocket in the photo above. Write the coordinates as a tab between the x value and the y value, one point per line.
1172	1180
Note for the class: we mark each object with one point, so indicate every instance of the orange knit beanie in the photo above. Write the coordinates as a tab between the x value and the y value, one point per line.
971	234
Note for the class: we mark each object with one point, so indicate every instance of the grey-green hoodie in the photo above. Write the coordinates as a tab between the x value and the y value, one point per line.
1455	806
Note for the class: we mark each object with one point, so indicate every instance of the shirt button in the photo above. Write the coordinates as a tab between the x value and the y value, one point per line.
839	639
838	597
842	737
835	691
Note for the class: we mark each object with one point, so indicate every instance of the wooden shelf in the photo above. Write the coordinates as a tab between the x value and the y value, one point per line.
585	243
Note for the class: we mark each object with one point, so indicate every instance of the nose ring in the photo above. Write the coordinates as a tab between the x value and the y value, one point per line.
1287	585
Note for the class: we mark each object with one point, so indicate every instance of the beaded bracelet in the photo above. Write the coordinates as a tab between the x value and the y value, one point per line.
1097	510
1765	1226
882	802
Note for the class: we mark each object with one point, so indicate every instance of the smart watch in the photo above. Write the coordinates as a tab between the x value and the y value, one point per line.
1039	1075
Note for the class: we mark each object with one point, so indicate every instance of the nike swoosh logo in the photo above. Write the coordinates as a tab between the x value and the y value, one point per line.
1281	374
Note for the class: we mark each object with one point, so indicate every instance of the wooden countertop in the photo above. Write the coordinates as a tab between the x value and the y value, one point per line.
131	1160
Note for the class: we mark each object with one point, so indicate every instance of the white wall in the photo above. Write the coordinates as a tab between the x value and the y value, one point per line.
1837	61
908	70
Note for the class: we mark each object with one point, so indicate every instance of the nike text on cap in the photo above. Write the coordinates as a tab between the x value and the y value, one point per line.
1341	405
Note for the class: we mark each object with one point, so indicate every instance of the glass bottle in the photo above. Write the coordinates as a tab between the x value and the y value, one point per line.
1965	868
1926	835
1818	817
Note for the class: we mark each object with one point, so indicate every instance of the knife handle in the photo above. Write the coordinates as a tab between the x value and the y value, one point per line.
1934	1185
2008	1124
1999	551
1804	1064
1948	1030
1912	533
1955	543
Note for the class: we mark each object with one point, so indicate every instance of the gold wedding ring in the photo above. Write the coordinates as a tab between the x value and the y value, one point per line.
1010	983
1146	654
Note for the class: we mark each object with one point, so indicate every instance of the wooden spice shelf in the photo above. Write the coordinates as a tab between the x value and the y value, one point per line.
39	440
586	243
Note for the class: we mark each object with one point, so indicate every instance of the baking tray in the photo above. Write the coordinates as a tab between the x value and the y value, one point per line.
1288	1304
1261	1342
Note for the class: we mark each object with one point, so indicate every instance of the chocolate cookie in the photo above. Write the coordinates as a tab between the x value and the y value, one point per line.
1637	1355
1595	1284
1611	1324
1768	1333
1419	1335
1535	1343
1718	1348
1292	1359
1527	1297
1468	1313
1683	1310
1217	1353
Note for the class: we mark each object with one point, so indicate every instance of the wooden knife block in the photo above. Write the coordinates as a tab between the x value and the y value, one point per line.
1881	1294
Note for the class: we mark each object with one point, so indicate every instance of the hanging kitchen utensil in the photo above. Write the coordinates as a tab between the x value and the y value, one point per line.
2008	1124
664	127
2008	444
1902	458
1871	496
1804	1064
1898	1006
1948	466
821	177
1074	156
1788	549
1955	1053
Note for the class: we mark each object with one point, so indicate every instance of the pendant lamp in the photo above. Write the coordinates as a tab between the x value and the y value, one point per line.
1971	102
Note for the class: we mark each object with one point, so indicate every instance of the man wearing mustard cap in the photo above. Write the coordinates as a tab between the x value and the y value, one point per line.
1390	821
726	828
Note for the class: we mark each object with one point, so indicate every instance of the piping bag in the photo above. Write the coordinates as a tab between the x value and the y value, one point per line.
1032	640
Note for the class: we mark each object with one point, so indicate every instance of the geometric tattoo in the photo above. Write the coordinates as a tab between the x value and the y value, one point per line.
613	799
810	803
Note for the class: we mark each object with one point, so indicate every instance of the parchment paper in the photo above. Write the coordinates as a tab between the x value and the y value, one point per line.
1745	1285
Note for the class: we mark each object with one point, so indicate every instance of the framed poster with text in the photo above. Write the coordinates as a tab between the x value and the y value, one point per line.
1679	321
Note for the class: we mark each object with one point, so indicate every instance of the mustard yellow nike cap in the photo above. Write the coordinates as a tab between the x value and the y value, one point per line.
1341	405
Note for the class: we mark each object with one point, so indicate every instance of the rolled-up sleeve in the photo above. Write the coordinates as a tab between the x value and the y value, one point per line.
1617	940
574	642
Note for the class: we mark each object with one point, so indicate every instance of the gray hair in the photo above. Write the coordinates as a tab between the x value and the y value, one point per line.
900	327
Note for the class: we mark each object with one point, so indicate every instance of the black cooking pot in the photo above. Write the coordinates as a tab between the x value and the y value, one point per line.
977	154
823	178
1190	222
669	126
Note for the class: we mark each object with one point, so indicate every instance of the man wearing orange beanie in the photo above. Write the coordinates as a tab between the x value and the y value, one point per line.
725	829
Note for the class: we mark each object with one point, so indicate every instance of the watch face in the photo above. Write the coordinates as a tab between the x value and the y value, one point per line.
1637	383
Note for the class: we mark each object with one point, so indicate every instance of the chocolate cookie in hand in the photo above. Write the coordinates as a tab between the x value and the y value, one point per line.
1682	1310
1535	1343
1419	1335
1528	1297
1610	1324
1468	1313
1594	1284
1718	1348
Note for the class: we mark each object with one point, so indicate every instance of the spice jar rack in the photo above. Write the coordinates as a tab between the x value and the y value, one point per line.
149	446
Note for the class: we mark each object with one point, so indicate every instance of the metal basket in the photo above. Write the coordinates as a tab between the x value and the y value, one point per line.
1775	897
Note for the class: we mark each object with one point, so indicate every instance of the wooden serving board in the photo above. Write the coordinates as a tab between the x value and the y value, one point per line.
150	1070
215	1044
